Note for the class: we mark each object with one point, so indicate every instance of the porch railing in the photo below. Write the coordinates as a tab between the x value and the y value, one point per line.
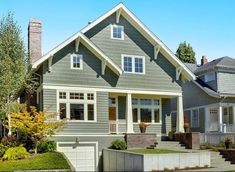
228	128
117	126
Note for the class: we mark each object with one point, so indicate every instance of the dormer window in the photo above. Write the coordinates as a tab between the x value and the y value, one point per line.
117	32
76	61
210	77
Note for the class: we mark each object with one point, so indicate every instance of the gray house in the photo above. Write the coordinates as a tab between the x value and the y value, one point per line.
106	79
209	101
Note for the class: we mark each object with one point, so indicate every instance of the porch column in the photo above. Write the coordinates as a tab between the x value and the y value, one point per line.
220	119
129	117
180	115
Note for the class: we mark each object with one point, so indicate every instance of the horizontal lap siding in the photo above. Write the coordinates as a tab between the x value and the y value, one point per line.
49	100
160	74
152	128
101	126
226	82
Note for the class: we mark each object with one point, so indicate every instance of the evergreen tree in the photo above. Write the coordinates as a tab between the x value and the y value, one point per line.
185	53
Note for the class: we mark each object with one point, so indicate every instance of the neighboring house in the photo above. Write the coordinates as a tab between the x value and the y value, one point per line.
209	101
104	80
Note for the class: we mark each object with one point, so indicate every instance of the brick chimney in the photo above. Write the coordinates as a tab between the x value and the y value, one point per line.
204	60
34	39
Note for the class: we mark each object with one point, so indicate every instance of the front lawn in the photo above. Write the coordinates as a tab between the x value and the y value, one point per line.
152	151
46	161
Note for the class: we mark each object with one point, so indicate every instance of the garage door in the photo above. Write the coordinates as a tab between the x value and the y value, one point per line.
82	157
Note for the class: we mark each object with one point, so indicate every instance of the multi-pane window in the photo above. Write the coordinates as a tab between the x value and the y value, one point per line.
90	96
77	96
195	118
210	77
138	65
227	115
127	64
146	110
62	95
133	64
117	32
78	106
76	61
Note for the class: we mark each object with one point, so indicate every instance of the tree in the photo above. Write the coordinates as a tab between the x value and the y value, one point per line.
185	53
33	124
15	73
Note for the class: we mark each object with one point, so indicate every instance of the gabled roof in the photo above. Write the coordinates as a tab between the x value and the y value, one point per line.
90	45
192	67
223	63
120	9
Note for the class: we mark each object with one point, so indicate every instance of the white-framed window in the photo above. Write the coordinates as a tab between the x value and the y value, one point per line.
146	110
117	32
209	76
76	61
133	64
195	118
77	105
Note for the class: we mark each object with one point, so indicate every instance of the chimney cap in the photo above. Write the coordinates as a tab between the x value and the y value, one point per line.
35	21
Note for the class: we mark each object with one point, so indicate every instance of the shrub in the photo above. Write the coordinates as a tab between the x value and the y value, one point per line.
3	149
15	153
118	144
46	146
10	141
221	144
206	145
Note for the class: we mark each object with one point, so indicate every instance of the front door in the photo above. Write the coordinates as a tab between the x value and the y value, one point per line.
112	115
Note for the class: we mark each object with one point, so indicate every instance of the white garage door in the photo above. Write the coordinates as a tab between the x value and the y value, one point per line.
82	157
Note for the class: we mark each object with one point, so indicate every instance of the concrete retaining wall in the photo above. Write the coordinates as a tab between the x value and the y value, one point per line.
114	160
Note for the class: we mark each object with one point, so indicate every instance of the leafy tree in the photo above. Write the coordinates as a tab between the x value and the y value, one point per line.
185	53
33	124
15	73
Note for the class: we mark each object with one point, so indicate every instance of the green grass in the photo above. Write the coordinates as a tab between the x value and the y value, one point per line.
152	151
46	161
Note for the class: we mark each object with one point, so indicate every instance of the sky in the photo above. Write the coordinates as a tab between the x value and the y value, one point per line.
208	25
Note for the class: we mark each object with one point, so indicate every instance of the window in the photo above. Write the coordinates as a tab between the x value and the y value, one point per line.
112	101
76	61
227	115
90	96
127	64
117	32
62	110
77	111
195	118
146	110
90	109
146	115
133	64
62	95
77	96
209	77
79	106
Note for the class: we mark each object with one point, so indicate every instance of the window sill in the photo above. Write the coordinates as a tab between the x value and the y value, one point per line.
79	121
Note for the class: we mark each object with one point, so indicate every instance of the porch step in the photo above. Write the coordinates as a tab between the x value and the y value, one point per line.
217	160
170	145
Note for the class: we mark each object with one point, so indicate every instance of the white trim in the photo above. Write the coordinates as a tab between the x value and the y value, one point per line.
77	41
85	102
138	25
145	32
118	14
50	63
178	72
156	51
111	90
81	61
133	63
122	31
92	143
86	42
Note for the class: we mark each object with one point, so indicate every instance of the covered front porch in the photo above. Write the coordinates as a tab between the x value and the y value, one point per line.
128	110
220	118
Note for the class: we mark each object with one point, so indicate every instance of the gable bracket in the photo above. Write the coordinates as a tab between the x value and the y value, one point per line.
50	62
103	66
178	72
118	14
156	51
77	41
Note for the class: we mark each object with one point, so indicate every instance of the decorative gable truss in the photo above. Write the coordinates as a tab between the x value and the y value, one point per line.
81	38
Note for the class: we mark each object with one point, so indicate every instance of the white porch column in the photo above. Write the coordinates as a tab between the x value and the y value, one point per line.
220	119
129	117
180	115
